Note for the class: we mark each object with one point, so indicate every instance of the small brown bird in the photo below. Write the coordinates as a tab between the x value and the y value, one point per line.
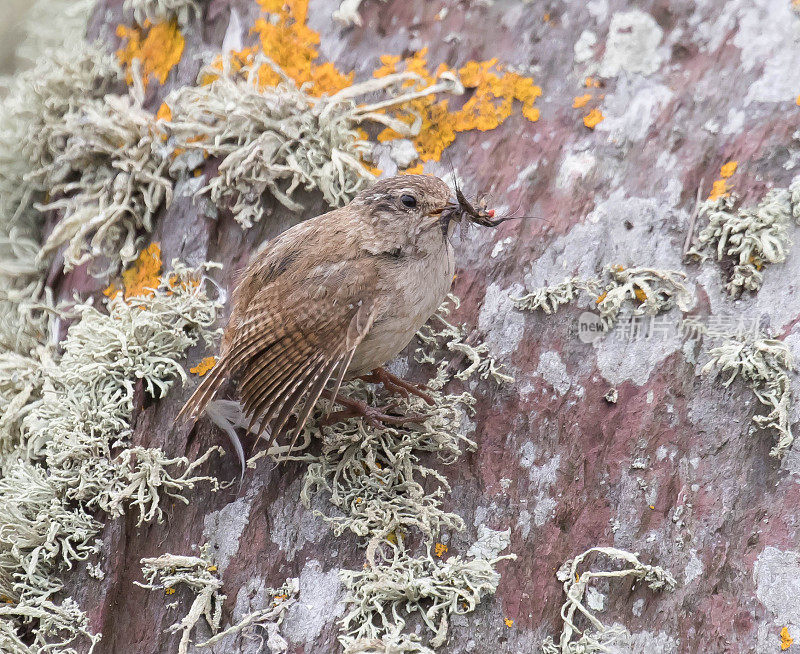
335	298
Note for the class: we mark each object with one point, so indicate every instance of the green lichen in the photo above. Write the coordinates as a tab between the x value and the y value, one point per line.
61	628
279	139
764	365
646	291
375	476
268	619
748	237
597	637
50	24
550	298
33	106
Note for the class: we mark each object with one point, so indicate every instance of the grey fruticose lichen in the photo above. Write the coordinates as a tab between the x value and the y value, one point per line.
72	453
160	10
32	108
374	477
279	139
394	584
168	572
749	237
117	151
764	365
439	333
598	637
648	290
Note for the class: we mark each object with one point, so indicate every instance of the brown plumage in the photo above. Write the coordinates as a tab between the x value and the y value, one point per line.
336	297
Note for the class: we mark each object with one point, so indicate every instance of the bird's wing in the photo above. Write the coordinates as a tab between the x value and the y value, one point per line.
294	357
296	323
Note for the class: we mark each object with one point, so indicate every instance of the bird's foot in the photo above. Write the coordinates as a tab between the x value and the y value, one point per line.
395	384
374	416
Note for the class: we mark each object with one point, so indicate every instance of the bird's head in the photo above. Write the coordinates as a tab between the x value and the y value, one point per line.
421	202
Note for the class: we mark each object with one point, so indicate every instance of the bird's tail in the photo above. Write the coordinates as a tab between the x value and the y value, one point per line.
204	393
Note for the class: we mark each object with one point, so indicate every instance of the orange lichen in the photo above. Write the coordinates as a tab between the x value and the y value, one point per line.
718	190
291	44
388	65
236	61
601	298
797	101
593	118
581	101
728	169
508	622
786	639
591	82
143	276
204	366
286	39
640	294
212	568
164	112
169	591
157	47
413	170
494	91
440	549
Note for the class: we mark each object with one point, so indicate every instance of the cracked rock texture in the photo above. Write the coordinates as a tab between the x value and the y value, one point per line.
686	85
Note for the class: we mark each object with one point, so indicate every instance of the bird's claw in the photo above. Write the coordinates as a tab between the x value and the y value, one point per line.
376	417
398	385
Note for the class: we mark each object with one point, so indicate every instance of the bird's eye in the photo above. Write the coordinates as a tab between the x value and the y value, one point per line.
408	201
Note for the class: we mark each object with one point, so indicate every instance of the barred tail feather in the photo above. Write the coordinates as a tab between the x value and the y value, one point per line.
203	394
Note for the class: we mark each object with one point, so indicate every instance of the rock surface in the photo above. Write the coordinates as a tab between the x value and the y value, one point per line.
685	87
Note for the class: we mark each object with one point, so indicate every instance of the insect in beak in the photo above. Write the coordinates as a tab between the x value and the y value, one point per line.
460	207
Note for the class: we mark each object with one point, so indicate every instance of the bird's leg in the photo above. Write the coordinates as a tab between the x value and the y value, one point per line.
377	417
395	384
